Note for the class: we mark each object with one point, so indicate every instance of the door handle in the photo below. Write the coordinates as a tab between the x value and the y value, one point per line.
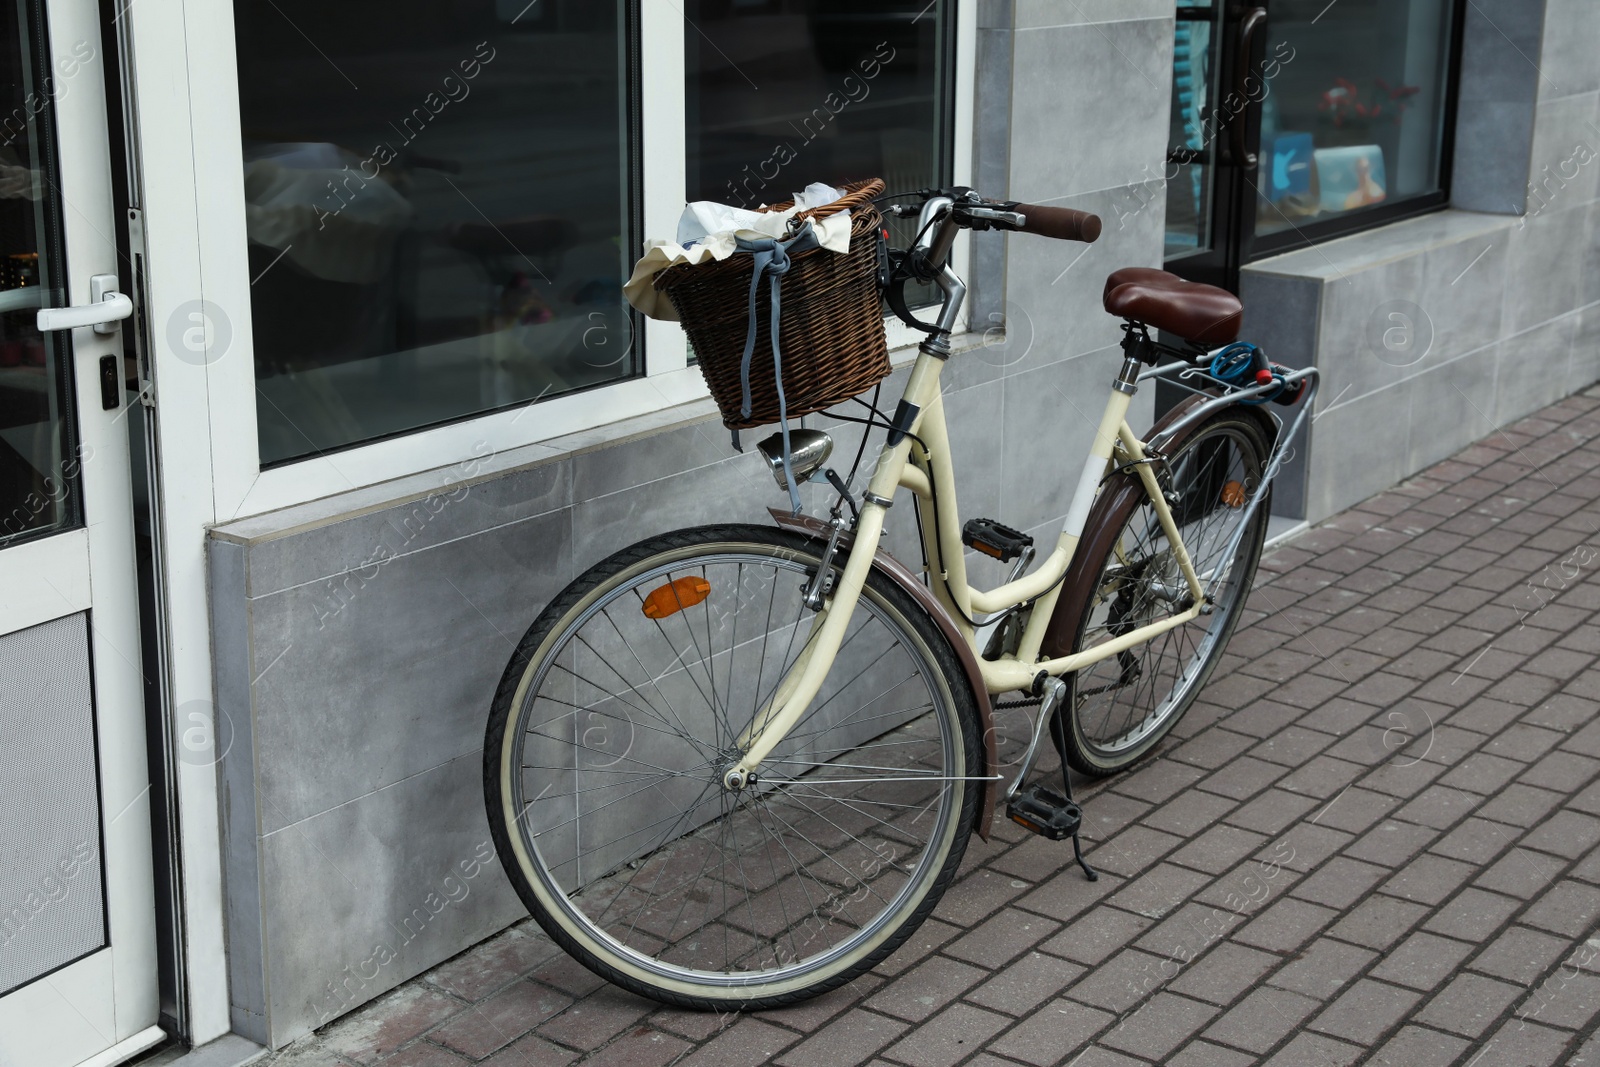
105	311
1254	19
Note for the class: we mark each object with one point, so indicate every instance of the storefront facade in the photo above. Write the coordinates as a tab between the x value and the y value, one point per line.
381	398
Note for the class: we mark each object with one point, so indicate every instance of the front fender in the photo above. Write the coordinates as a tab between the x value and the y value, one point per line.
902	576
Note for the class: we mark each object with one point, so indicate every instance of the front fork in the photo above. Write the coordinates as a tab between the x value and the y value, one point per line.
778	716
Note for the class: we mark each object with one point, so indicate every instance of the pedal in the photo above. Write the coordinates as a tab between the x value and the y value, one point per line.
995	539
1045	812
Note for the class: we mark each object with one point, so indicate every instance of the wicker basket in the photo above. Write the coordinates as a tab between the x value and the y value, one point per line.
831	324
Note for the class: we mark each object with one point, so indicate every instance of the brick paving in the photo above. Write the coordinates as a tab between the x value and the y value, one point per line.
1374	839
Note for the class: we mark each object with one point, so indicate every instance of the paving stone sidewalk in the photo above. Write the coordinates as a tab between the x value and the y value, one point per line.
1376	838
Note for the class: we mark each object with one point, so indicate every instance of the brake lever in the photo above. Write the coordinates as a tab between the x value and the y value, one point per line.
1008	219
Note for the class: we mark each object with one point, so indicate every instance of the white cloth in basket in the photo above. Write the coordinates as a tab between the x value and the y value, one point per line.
709	231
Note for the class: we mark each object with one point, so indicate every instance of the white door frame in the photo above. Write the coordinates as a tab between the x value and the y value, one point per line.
104	1006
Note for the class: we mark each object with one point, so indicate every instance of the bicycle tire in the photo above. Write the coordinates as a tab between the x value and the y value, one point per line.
708	913
1120	708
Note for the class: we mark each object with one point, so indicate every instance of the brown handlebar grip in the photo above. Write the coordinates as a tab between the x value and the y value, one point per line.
1062	223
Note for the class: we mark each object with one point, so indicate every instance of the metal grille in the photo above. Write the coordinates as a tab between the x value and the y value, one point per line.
51	893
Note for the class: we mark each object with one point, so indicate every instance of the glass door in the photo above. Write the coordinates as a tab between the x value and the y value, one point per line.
77	948
1295	121
1210	158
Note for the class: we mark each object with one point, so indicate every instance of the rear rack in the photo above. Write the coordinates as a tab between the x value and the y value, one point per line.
1196	380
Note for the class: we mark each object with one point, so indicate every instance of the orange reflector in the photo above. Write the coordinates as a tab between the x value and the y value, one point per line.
675	596
1233	495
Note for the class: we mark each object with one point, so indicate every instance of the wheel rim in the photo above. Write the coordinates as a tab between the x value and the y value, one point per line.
1125	701
616	753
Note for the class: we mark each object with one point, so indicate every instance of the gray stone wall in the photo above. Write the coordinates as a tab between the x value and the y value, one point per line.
1435	332
359	639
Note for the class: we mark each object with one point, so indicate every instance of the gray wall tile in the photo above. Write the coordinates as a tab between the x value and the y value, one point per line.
991	159
976	418
1543	271
1499	84
1361	450
1092	109
1282	315
1589	282
371	893
354	543
1585	368
1451	407
1051	413
1463	290
1533	368
236	770
386	677
1055	287
1565	135
1571	28
737	490
1370	335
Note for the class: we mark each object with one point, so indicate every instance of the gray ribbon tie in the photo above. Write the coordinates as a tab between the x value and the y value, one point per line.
770	259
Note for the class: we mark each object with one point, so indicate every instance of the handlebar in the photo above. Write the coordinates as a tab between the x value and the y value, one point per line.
1064	224
967	210
941	213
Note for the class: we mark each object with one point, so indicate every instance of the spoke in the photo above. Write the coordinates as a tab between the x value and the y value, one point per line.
850	767
602	807
887	825
600	658
671	773
830	856
668	641
653	680
792	734
788	924
854	748
665	837
812	712
931	777
577	708
722	853
711	655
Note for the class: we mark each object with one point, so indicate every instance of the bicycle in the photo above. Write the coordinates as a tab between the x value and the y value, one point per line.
732	767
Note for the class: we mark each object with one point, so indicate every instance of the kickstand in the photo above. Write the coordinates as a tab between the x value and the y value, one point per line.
1066	778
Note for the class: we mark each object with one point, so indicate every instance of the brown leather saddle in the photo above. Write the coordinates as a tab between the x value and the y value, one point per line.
1201	314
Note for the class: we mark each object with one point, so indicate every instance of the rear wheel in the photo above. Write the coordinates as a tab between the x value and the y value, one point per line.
1122	706
621	710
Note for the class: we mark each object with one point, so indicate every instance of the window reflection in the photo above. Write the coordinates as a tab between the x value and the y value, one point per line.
1190	138
437	210
786	92
39	463
1354	115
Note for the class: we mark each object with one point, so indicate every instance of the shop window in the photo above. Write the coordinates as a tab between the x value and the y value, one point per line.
439	207
1295	121
1356	119
786	92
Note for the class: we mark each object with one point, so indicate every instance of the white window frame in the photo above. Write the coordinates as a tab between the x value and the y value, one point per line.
241	488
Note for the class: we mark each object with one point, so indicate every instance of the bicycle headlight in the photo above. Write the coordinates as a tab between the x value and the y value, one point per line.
808	451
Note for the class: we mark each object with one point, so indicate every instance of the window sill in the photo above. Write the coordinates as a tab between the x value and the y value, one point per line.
1381	244
488	463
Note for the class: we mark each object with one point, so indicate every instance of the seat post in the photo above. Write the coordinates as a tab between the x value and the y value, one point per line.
1137	350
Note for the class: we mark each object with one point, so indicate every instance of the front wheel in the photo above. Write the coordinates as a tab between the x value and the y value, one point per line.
623	706
1122	706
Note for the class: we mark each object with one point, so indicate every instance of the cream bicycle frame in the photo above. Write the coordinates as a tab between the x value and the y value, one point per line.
907	465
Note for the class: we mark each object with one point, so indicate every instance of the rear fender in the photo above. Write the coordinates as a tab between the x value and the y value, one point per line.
1121	491
902	576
